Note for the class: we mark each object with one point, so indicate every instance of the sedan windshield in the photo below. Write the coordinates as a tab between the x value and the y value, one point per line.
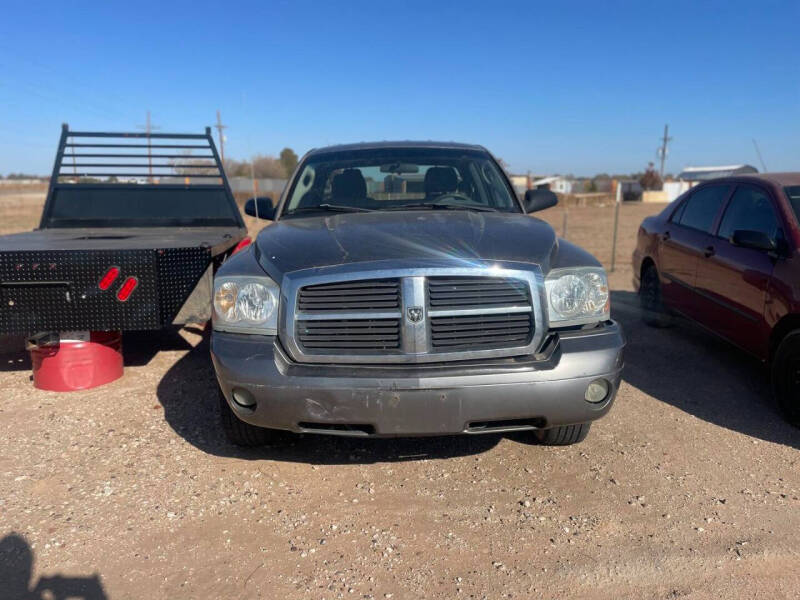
400	179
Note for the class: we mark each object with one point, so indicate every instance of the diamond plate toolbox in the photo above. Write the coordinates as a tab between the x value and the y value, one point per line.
57	290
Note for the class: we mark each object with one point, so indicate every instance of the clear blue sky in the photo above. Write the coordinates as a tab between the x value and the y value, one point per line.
580	87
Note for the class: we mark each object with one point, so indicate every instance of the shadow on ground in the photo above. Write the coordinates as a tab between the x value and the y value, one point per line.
13	356
188	394
700	374
138	347
16	569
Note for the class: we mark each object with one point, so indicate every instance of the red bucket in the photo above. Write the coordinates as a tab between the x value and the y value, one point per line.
76	360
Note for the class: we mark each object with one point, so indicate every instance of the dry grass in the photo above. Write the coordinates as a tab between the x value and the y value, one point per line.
592	227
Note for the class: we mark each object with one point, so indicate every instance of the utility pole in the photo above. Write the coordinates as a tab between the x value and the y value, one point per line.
219	127
662	152
148	128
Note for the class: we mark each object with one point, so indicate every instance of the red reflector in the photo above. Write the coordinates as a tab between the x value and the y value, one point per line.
126	289
109	278
241	245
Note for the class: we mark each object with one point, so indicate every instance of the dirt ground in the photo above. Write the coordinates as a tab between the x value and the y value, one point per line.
689	488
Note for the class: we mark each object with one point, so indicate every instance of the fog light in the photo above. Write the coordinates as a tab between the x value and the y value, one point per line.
597	391
243	398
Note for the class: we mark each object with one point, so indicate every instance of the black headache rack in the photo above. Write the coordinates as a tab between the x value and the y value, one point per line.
133	227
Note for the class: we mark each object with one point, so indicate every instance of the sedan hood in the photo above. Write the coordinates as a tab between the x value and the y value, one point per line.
302	243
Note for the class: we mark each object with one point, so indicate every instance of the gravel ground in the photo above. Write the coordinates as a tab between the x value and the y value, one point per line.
689	488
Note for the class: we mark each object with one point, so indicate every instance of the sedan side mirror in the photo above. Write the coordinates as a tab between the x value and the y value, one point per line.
757	240
536	200
265	208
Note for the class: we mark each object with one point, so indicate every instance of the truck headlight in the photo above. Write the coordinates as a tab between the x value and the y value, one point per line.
576	296
246	305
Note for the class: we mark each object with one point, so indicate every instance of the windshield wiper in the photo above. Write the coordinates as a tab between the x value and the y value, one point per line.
330	208
444	206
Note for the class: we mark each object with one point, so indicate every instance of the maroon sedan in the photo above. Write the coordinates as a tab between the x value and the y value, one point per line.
726	254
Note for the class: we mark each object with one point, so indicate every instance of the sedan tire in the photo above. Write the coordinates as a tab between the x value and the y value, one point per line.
654	312
786	377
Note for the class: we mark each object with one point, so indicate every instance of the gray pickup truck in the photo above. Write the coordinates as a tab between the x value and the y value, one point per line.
403	290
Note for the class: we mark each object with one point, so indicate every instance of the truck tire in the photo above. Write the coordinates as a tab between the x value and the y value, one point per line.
786	376
563	435
240	433
653	311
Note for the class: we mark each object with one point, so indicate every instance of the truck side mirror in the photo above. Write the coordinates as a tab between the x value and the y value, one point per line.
757	240
265	208
536	200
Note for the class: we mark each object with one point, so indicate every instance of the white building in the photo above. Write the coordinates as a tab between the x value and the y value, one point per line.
698	174
555	183
691	176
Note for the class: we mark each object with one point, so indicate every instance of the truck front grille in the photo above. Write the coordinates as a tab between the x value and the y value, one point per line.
412	315
469	332
473	292
350	334
375	294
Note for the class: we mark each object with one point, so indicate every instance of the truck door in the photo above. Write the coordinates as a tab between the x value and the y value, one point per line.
683	242
733	280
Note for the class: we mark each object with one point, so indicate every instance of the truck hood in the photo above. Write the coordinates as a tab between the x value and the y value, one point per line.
302	243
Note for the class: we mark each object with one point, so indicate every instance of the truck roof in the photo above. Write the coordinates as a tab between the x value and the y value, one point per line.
396	144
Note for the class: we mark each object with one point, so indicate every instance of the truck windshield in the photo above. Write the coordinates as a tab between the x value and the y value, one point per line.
398	179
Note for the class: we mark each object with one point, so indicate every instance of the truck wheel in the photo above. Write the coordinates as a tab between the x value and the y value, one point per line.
786	377
653	311
563	435
237	431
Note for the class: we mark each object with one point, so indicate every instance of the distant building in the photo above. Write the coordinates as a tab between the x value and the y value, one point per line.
520	183
672	189
691	176
698	174
555	183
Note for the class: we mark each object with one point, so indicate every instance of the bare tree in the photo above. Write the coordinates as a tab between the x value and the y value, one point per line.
651	180
194	166
268	166
262	167
288	159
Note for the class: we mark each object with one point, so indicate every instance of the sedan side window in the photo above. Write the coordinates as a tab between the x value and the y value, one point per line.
750	208
702	207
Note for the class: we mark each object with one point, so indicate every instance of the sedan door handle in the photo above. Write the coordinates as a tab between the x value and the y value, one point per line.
709	251
665	236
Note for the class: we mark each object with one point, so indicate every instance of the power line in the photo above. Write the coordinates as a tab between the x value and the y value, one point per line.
219	127
148	128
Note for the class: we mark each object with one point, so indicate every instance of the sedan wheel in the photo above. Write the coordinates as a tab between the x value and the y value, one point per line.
786	377
652	304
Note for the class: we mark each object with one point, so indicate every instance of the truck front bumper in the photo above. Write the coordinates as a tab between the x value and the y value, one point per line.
470	397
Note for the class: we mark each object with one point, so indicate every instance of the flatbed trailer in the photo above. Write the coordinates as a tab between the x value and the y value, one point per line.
132	230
